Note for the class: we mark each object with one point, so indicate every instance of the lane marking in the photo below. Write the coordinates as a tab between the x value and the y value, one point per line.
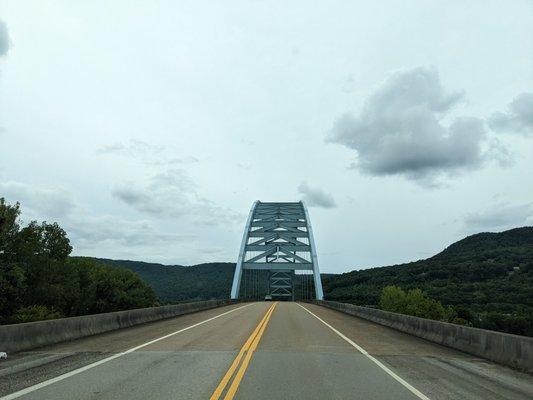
105	360
238	378
407	385
222	385
246	350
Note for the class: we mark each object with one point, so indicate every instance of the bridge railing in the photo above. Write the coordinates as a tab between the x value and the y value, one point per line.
18	337
511	350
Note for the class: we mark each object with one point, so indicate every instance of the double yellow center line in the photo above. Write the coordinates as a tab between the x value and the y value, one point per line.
246	351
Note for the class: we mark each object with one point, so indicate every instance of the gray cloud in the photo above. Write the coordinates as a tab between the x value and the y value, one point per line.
98	234
501	216
497	151
88	231
134	148
400	131
113	236
173	194
147	153
349	84
41	201
115	148
167	194
176	179
518	118
140	200
175	161
4	39
315	197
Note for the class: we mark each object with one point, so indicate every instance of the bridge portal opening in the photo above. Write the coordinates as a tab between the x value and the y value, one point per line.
277	258
277	285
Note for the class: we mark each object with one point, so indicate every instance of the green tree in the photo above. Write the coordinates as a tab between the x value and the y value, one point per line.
419	305
393	299
105	288
414	303
12	278
35	313
38	279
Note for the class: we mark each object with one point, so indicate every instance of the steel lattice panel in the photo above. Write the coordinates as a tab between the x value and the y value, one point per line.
278	238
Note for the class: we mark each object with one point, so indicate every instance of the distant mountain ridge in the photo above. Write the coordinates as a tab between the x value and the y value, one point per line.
506	257
178	283
488	241
488	277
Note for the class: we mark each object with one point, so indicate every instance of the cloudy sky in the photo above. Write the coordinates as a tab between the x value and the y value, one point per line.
148	128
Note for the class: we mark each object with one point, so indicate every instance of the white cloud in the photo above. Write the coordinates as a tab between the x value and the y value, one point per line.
90	231
133	148
173	194
501	216
94	234
167	194
4	39
176	161
141	201
316	197
44	201
400	129
518	118
147	153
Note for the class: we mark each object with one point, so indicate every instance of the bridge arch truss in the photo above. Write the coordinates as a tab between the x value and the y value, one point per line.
278	238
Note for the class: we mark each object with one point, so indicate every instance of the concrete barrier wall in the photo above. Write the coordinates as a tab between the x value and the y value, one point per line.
511	350
30	335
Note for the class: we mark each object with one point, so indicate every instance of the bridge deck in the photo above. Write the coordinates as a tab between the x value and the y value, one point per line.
297	357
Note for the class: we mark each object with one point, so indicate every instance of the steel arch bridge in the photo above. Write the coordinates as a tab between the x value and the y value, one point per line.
278	239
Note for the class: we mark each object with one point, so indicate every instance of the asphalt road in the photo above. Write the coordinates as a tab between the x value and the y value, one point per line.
257	351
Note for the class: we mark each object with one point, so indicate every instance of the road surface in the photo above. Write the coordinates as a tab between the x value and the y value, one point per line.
257	351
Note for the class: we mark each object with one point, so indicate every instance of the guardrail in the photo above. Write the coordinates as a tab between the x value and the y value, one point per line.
511	350
18	337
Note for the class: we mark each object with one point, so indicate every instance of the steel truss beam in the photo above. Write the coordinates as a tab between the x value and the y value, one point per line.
281	284
278	237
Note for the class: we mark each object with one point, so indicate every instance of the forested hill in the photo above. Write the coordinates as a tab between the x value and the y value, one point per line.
487	277
177	283
485	270
511	241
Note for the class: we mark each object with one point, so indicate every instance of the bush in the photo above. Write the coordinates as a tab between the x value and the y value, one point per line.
393	299
414	303
35	313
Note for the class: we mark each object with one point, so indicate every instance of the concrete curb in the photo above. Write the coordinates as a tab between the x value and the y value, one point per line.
18	337
511	350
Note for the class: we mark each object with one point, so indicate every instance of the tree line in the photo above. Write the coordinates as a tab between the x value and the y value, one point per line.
484	280
39	280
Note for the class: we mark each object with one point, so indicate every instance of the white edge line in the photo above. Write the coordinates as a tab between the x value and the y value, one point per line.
411	388
100	362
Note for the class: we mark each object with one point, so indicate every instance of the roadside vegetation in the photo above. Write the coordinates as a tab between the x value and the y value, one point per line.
39	280
414	302
484	280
